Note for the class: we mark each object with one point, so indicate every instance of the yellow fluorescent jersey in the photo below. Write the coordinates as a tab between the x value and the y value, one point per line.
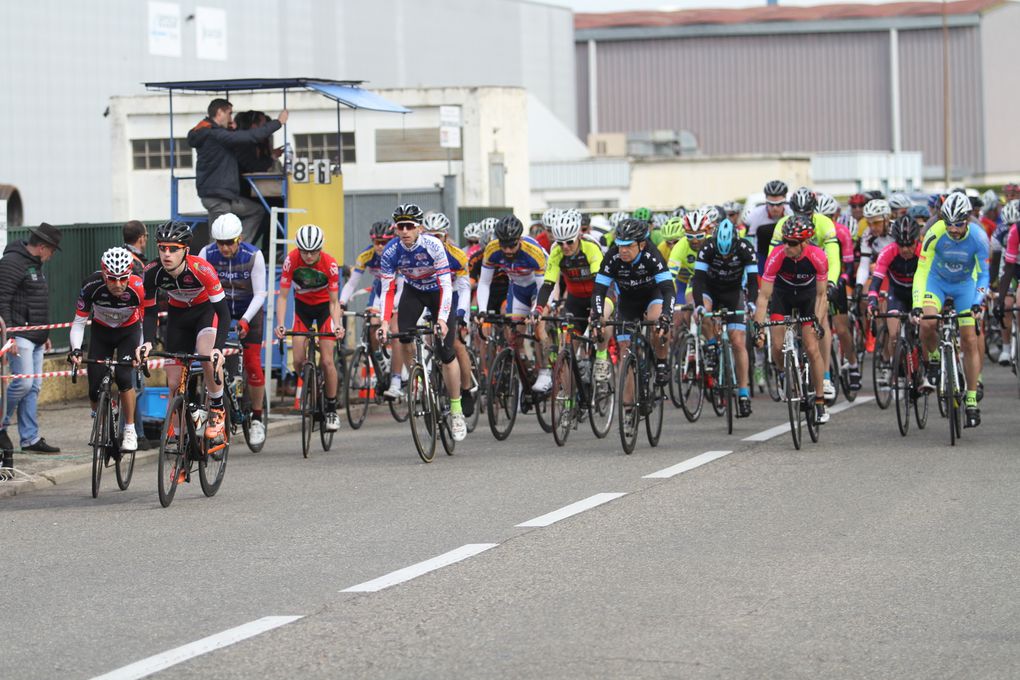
664	250
681	260
458	260
825	238
578	270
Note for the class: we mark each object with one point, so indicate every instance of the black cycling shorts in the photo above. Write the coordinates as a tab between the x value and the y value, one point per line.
633	305
185	323
732	300
580	309
112	343
786	302
412	303
840	303
899	301
307	317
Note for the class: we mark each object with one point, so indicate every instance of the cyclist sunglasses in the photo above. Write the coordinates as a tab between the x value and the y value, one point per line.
405	226
775	203
117	279
169	248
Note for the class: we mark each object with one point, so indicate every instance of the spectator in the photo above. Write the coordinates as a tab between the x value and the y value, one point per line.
25	301
135	239
258	157
217	173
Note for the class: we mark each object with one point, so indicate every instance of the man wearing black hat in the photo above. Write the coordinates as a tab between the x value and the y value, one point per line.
25	301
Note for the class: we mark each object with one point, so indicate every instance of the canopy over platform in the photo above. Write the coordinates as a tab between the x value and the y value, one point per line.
346	92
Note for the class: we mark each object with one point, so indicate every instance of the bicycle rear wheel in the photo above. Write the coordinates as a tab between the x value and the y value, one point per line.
839	381
902	387
100	436
563	398
951	397
675	359
725	370
602	403
174	441
308	384
125	466
653	422
629	414
504	393
358	388
807	401
213	463
422	415
793	401
471	422
691	379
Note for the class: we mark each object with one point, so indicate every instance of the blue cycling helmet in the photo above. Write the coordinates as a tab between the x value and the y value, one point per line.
724	234
919	212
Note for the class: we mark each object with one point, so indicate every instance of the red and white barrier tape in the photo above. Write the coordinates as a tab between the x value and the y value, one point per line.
151	363
7	348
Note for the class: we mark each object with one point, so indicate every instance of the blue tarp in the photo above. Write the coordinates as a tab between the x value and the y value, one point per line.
346	92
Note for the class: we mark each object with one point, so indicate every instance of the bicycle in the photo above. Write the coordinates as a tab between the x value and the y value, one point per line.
237	399
575	392
182	440
907	374
637	379
881	368
428	405
688	379
313	391
798	389
366	377
724	376
510	379
106	427
949	387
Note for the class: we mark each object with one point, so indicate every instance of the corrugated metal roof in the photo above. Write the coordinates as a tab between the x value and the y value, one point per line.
583	21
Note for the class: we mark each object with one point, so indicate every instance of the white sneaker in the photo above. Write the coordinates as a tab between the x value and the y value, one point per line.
395	390
884	375
602	370
332	421
458	427
828	390
256	432
543	383
130	440
1006	356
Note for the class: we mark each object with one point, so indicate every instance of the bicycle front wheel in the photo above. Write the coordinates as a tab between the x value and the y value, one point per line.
308	385
174	441
100	436
794	400
422	415
653	422
880	369
213	463
691	380
563	398
950	397
725	375
471	421
358	387
504	393
808	404
902	387
602	403
627	403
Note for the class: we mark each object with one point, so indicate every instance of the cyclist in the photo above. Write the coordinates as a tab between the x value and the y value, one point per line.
1007	281
113	297
438	225
803	202
242	271
795	283
368	260
898	261
500	284
899	204
472	236
315	276
854	218
953	263
544	238
673	231
578	260
645	289
698	227
524	262
761	221
422	261
195	301
725	264
838	301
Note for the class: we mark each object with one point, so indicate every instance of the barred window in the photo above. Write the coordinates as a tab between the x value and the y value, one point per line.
322	145
154	154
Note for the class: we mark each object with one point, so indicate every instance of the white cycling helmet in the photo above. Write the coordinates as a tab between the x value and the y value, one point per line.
567	226
226	227
1011	212
116	261
436	223
472	230
827	205
617	217
877	207
659	219
600	225
549	217
899	201
956	208
309	238
488	227
989	200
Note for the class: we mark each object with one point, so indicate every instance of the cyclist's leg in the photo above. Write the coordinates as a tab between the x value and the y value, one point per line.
125	339
251	361
932	304
965	295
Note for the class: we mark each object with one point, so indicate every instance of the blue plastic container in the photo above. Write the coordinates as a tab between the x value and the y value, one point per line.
152	403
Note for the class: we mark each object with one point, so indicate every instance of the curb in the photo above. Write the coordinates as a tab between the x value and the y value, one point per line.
72	473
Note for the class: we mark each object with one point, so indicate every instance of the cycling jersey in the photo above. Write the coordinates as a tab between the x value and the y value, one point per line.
900	271
871	245
681	261
1012	244
500	281
196	284
424	266
825	238
242	276
312	282
524	269
461	279
726	272
846	246
796	275
368	261
107	309
948	267
578	270
642	277
760	228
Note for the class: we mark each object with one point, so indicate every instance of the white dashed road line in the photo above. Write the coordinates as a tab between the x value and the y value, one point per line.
768	434
689	464
571	510
416	570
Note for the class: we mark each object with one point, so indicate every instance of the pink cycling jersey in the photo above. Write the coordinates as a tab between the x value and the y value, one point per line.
1012	244
810	267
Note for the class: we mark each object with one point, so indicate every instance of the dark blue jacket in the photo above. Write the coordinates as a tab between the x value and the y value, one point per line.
216	172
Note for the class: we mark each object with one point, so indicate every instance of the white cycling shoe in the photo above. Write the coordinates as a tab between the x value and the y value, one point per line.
332	422
543	383
458	427
828	390
130	440
257	432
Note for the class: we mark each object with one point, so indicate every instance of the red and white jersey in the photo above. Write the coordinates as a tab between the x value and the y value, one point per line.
197	283
107	309
312	283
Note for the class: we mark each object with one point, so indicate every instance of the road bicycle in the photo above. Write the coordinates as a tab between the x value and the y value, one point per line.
367	376
511	376
576	393
428	402
637	396
798	388
688	378
313	393
723	390
183	444
950	388
907	374
106	427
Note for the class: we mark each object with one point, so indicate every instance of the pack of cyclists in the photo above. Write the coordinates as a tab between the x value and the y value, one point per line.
874	262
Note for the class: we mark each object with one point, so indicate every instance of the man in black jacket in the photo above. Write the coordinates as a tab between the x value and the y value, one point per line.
217	178
25	301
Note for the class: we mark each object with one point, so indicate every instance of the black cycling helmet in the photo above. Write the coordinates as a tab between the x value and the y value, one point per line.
173	232
408	212
631	230
776	187
803	201
380	230
508	230
874	193
905	230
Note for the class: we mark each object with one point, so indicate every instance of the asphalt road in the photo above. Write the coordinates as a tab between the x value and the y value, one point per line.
866	555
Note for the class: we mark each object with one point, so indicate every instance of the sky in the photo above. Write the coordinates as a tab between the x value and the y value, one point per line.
626	5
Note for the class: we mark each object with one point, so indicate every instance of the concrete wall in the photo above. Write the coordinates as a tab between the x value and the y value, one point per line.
1001	90
669	183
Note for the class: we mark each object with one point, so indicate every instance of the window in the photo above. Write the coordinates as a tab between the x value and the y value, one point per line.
154	154
322	145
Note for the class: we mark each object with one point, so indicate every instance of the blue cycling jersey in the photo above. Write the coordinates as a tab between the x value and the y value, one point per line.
424	266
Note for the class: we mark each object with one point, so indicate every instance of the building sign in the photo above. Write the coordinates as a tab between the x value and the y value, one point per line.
211	33
165	29
449	137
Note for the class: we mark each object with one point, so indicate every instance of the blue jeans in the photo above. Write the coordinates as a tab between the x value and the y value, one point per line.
23	394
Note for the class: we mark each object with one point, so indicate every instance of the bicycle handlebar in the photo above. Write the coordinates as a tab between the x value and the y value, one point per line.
189	357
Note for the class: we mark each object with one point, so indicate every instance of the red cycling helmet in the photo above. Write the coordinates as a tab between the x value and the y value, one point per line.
798	228
858	200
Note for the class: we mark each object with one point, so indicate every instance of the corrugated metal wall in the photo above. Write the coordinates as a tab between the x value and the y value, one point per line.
921	96
362	208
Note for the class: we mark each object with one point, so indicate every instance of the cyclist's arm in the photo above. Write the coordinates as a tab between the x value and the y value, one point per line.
764	293
222	309
835	258
981	268
482	292
258	287
335	310
667	290
350	286
552	274
1008	271
822	298
463	287
881	268
924	262
700	282
77	333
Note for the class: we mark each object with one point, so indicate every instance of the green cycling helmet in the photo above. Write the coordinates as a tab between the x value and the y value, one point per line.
643	214
673	229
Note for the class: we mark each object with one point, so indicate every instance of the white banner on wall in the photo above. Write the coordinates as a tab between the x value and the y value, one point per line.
211	33
165	29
